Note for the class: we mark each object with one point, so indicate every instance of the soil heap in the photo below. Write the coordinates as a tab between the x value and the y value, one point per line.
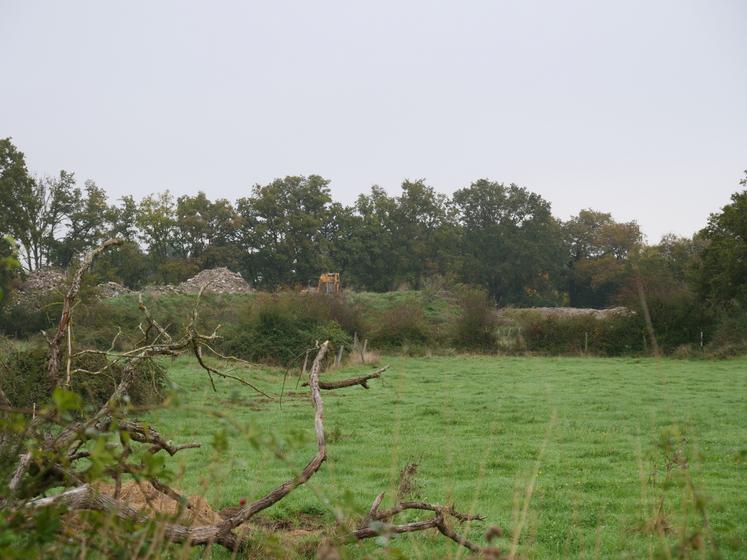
218	280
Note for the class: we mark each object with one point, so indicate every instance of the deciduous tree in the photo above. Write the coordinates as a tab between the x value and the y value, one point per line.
509	241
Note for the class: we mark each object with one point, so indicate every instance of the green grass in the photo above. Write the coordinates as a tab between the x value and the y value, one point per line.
476	426
436	306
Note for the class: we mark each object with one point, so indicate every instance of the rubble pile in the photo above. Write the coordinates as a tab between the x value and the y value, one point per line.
564	312
46	280
159	289
112	289
218	281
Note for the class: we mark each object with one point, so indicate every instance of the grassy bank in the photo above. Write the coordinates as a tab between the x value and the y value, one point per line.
274	327
628	450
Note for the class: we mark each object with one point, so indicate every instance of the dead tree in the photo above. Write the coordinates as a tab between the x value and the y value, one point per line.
54	445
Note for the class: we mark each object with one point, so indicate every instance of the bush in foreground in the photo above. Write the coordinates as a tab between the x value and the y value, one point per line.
25	382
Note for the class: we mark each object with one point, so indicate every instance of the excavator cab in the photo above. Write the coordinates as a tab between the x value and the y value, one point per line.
329	283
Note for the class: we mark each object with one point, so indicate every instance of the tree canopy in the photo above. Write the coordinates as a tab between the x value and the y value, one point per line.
503	238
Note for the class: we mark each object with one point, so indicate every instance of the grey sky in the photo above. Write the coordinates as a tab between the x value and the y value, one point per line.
633	107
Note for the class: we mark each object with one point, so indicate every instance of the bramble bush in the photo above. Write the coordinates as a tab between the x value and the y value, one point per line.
24	379
475	326
554	335
279	328
401	326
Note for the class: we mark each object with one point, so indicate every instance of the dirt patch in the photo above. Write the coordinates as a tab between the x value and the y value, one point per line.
147	499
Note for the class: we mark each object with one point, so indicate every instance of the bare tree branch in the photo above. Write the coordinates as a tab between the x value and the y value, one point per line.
246	512
361	380
55	345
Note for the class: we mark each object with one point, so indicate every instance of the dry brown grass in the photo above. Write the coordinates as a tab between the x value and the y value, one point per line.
369	357
143	497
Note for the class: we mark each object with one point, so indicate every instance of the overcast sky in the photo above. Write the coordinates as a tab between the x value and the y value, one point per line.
634	107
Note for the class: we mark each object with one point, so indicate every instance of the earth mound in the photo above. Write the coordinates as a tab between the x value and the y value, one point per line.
218	280
45	280
112	289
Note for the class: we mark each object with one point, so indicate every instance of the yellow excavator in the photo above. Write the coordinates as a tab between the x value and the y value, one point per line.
329	283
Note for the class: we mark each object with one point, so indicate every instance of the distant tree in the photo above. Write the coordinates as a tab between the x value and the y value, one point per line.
362	241
682	257
123	219
207	231
281	233
156	222
661	276
33	210
723	276
510	242
127	264
86	224
14	179
598	251
423	233
9	267
39	213
193	223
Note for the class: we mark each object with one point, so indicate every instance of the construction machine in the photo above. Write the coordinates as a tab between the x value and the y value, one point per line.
329	283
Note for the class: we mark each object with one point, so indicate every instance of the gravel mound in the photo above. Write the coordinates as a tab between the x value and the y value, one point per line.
46	280
112	289
218	281
572	312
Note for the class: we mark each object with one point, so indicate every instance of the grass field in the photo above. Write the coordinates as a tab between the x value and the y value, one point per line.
624	458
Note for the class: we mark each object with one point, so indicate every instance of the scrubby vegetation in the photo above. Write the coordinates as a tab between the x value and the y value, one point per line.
277	328
25	381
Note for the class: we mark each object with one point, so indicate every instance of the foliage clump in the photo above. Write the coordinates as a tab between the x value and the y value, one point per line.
579	334
402	326
279	328
25	381
475	327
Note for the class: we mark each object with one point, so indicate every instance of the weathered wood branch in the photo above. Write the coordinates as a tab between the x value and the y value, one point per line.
148	434
361	380
378	523
248	511
86	497
437	508
387	529
55	344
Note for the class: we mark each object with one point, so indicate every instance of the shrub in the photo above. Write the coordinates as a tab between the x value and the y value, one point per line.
318	308
97	322
730	336
21	320
475	327
400	326
678	319
556	335
687	352
618	336
278	329
23	378
575	334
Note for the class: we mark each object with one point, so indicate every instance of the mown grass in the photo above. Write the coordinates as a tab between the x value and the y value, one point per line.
606	432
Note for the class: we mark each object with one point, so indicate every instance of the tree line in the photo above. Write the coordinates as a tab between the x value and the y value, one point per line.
501	237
